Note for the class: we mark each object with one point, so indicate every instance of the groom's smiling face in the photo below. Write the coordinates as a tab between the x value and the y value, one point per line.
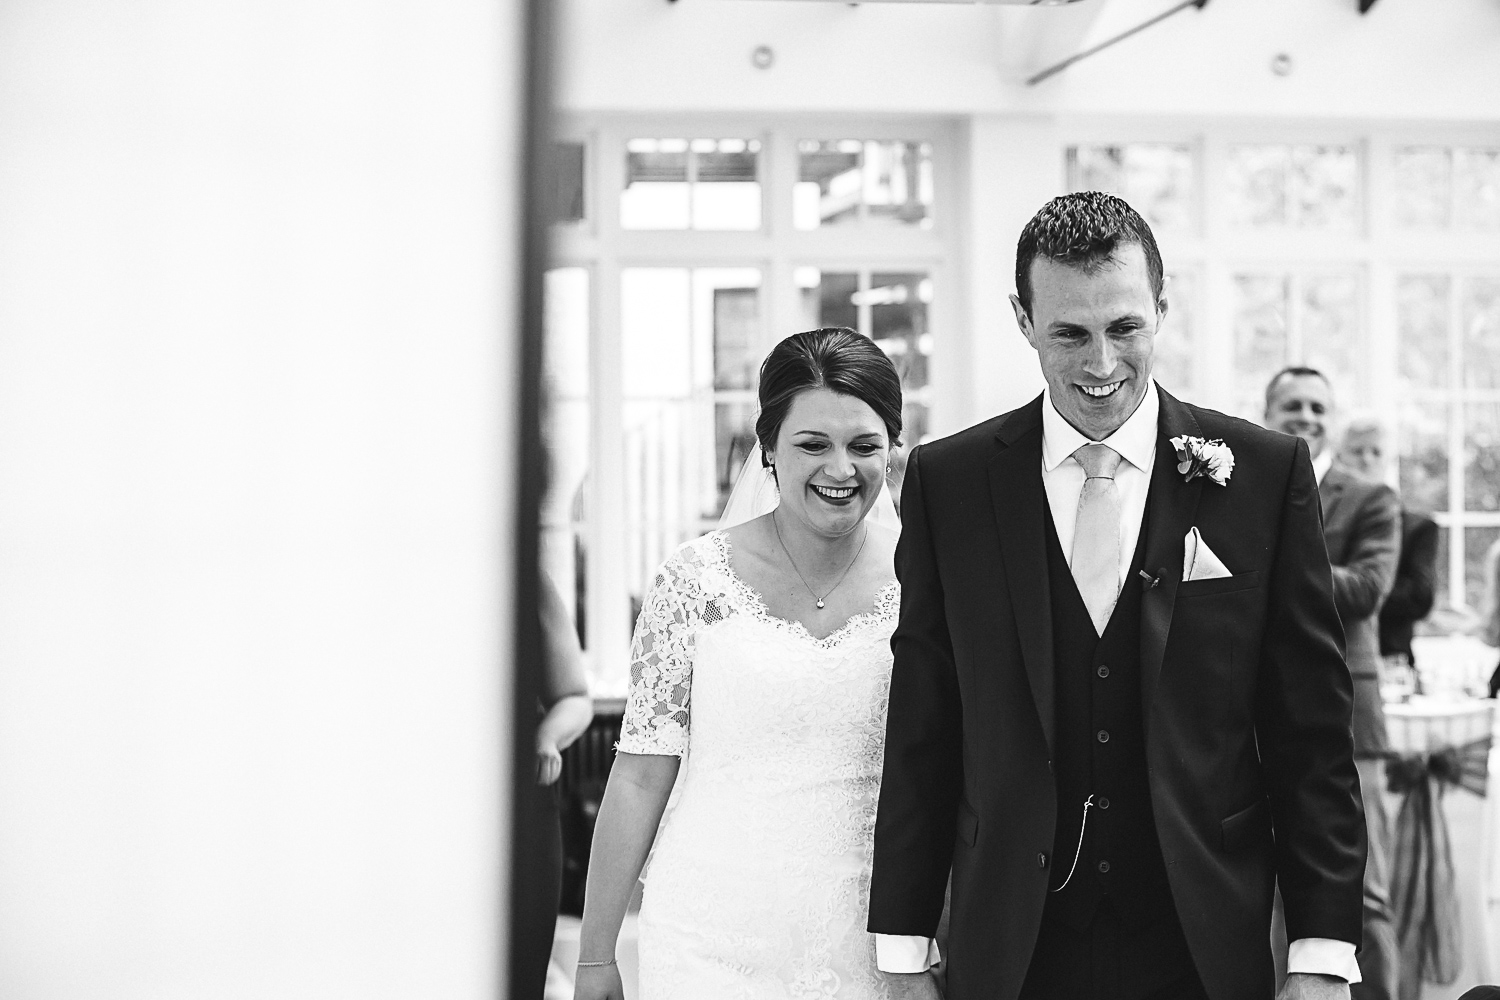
1094	330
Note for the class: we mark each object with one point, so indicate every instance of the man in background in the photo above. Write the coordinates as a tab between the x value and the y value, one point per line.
1362	529
1411	597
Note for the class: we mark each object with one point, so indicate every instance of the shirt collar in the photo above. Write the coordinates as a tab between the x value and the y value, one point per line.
1134	440
1323	463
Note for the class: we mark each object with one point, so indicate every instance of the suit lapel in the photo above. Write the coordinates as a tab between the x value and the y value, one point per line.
1020	504
1173	505
1330	492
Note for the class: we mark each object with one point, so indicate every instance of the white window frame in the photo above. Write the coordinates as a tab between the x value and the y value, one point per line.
1377	250
599	244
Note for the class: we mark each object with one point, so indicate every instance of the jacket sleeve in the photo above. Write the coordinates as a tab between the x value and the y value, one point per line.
1411	596
1304	704
1361	583
923	779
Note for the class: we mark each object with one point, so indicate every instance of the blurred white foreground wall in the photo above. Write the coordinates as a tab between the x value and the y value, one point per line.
256	309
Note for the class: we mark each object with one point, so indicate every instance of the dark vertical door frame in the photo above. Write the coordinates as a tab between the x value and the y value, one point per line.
527	880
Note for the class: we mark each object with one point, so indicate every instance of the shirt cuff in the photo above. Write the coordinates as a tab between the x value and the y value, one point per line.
1323	957
900	953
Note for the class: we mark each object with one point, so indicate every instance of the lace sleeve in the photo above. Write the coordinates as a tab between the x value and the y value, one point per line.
661	664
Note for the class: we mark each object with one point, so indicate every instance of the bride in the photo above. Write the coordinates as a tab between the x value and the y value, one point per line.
762	659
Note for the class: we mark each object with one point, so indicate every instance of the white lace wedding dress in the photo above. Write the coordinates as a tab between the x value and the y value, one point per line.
760	880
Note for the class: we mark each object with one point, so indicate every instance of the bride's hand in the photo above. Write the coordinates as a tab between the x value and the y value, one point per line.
594	982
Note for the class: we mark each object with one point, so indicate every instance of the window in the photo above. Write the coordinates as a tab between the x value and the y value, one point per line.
1286	318
1156	178
1297	187
854	181
565	431
700	249
1371	257
1449	328
691	184
1438	187
890	308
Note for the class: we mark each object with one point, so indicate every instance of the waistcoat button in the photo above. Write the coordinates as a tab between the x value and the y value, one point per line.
1104	868
1103	671
1104	736
1103	802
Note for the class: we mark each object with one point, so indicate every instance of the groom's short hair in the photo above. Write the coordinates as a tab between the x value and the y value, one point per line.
1084	230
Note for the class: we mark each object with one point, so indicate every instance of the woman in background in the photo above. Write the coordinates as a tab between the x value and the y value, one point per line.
1491	624
567	712
762	655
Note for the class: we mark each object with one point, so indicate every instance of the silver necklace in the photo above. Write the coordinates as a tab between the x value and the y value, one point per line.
819	600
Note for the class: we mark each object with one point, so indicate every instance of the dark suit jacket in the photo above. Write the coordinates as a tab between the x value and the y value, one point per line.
1411	596
1246	707
1362	528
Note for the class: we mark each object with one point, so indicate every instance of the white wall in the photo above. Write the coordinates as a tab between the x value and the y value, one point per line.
1402	60
255	273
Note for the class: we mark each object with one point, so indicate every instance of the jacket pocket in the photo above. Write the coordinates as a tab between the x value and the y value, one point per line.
968	823
1247	827
1220	585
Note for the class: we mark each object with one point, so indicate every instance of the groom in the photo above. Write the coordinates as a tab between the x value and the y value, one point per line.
1119	712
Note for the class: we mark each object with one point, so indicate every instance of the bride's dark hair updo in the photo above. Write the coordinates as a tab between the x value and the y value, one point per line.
836	358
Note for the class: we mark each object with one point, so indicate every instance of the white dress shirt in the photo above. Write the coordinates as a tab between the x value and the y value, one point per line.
1062	477
1323	463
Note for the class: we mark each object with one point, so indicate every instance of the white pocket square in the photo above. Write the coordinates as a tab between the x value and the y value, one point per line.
1199	561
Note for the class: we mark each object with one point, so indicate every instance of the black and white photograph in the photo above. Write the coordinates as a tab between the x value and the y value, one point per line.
750	500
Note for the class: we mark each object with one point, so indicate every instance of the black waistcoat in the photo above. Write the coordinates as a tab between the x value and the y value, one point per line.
1101	751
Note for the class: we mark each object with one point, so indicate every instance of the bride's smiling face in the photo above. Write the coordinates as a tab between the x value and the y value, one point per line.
830	457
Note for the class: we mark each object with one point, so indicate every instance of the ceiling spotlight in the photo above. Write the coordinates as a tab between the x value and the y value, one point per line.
762	57
1281	64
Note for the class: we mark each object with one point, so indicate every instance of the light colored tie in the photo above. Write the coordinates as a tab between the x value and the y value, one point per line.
1096	535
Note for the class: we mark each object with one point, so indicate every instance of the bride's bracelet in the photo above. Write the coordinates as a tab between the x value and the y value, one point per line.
596	965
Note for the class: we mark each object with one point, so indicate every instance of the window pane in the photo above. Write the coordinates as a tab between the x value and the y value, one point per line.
851	181
827	298
1330	331
1173	366
563	185
898	182
691	184
656	185
898	323
1260	337
1479	312
828	183
1323	188
726	194
1423	189
1423	463
656	316
684	331
1156	178
1305	187
1482	456
1476	182
565	432
1422	328
1257	185
737	340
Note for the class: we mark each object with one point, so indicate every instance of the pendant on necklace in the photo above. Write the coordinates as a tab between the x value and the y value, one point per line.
820	604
